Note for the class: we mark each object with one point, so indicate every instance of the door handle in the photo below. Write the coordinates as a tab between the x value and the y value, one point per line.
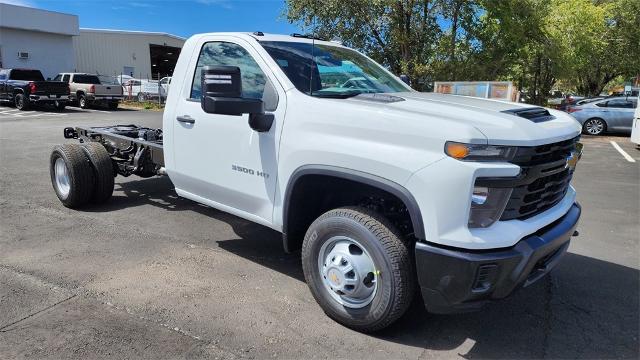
186	119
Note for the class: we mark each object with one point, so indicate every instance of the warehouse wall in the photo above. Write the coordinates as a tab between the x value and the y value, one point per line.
107	53
49	53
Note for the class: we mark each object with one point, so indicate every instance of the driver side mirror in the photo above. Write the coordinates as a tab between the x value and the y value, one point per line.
222	94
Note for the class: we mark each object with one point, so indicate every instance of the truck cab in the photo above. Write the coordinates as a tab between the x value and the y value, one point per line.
382	189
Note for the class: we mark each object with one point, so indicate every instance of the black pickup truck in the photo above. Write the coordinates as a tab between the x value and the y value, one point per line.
24	87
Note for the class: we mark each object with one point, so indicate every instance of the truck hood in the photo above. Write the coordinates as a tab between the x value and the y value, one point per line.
501	122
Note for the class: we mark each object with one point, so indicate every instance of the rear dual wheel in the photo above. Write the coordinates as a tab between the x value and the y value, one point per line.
358	268
81	174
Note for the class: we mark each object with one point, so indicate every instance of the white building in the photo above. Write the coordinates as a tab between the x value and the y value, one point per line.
37	39
52	42
139	54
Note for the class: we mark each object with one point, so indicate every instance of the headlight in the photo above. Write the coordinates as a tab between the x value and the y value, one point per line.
487	205
479	152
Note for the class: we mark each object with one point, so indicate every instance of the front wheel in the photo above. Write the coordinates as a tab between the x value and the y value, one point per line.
358	269
594	126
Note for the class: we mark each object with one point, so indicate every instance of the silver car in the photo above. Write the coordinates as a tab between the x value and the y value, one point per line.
613	114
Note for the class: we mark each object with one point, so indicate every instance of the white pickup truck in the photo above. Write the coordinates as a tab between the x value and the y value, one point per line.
384	189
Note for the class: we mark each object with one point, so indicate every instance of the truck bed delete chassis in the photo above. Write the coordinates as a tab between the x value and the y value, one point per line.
133	149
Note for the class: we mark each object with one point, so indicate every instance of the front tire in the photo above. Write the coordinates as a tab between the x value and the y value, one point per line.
21	102
71	175
358	269
595	126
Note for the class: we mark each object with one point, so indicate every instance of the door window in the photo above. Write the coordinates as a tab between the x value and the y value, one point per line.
225	53
65	78
620	103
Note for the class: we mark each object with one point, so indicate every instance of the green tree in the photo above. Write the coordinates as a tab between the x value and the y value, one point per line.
398	34
536	43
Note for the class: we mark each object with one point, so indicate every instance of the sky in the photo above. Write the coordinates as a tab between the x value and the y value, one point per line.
178	17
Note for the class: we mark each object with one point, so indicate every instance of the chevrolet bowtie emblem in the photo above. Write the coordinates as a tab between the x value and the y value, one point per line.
574	157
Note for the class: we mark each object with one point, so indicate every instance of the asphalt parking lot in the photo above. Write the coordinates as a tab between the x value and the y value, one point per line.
155	276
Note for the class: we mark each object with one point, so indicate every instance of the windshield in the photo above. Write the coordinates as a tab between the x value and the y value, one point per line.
330	71
28	75
86	79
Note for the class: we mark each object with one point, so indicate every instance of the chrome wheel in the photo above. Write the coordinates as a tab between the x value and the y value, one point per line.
82	102
594	126
348	272
62	181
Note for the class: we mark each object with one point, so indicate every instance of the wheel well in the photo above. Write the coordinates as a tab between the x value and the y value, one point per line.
79	92
311	195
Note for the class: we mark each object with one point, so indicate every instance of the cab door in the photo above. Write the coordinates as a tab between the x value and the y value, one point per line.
620	113
219	160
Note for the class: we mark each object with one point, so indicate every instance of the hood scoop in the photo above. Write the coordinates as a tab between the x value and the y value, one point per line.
381	98
535	114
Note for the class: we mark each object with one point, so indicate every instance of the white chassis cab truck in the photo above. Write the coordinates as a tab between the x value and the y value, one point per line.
385	190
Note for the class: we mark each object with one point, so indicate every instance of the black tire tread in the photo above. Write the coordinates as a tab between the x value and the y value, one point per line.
81	174
397	251
103	171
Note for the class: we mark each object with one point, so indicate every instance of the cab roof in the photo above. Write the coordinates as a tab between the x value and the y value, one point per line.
260	36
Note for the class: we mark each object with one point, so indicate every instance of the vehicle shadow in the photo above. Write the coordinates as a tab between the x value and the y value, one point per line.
586	308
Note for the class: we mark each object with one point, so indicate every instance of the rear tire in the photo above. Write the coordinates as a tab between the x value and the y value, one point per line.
141	97
59	105
71	175
102	171
113	106
359	232
594	126
82	101
21	102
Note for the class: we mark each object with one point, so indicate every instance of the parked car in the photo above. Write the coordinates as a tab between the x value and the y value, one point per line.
386	191
165	84
86	90
26	87
635	131
612	114
141	89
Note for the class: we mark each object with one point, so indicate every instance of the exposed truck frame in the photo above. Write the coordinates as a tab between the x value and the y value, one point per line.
134	150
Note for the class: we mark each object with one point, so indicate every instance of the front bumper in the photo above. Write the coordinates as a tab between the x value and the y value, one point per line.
454	280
